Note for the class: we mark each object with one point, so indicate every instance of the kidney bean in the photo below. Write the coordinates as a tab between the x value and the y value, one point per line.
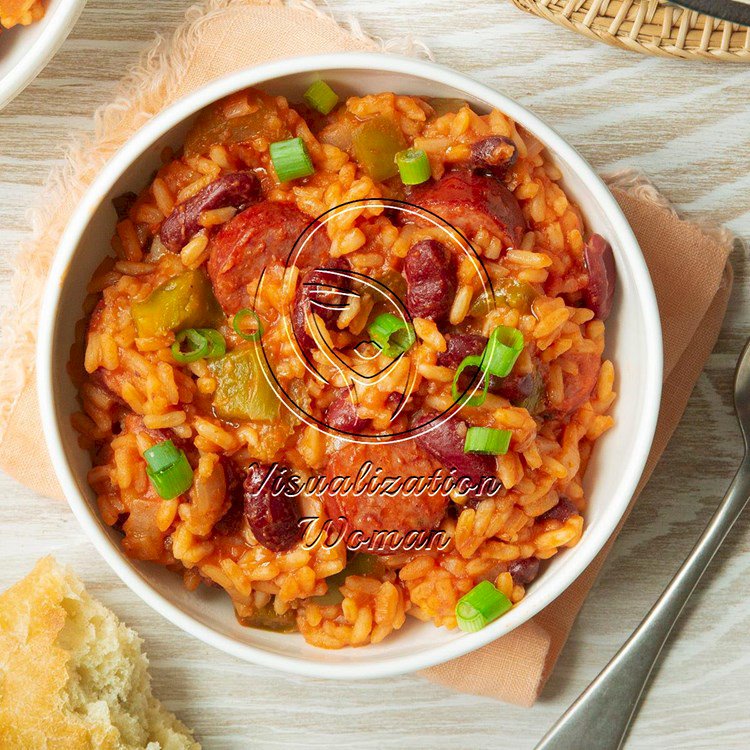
495	154
524	571
238	190
458	347
270	507
600	263
342	414
561	512
235	493
123	203
446	443
320	300
518	388
430	273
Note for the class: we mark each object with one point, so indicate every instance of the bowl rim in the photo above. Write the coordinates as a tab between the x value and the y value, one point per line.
134	149
56	29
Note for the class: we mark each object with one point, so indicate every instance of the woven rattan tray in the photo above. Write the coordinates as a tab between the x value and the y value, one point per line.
648	26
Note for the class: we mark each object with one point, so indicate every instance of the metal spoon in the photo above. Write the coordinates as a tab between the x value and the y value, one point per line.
600	717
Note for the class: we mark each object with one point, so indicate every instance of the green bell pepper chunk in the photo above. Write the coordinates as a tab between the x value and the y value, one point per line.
376	143
185	301
242	391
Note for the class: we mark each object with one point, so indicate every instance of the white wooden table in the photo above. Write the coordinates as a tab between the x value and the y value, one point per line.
688	125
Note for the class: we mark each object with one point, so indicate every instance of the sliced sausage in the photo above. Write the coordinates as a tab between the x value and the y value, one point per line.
600	264
495	155
472	201
256	237
430	273
384	508
238	190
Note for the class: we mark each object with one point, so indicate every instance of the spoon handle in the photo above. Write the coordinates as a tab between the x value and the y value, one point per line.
600	716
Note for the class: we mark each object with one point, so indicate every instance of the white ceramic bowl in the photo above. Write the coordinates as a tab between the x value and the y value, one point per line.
634	343
25	50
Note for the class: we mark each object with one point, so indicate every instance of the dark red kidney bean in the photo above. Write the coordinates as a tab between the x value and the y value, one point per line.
495	154
123	203
524	571
342	414
561	512
238	190
470	202
430	273
254	239
446	443
270	507
234	476
516	387
458	347
600	263
314	295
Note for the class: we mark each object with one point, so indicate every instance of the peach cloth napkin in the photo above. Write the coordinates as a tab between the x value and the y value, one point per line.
689	269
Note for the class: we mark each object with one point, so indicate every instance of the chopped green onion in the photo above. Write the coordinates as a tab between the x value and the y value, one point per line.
204	342
217	343
239	316
414	166
470	361
487	440
321	97
483	604
502	351
200	346
162	455
392	335
168	469
500	354
291	160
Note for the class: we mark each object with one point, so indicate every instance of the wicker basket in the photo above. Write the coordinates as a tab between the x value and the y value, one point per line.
648	26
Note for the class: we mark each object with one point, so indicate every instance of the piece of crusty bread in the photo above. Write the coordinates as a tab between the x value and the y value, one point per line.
72	675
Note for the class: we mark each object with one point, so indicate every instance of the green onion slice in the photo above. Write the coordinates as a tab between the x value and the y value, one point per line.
321	97
502	351
168	469
204	342
500	354
291	160
414	166
479	399
237	324
487	440
216	342
483	604
199	346
392	335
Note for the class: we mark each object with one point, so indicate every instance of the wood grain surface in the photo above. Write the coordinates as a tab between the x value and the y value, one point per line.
688	126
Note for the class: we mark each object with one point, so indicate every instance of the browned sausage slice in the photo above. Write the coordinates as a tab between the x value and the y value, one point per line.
471	201
388	509
577	389
260	235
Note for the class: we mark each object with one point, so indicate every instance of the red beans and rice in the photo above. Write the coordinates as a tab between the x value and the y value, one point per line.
189	253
